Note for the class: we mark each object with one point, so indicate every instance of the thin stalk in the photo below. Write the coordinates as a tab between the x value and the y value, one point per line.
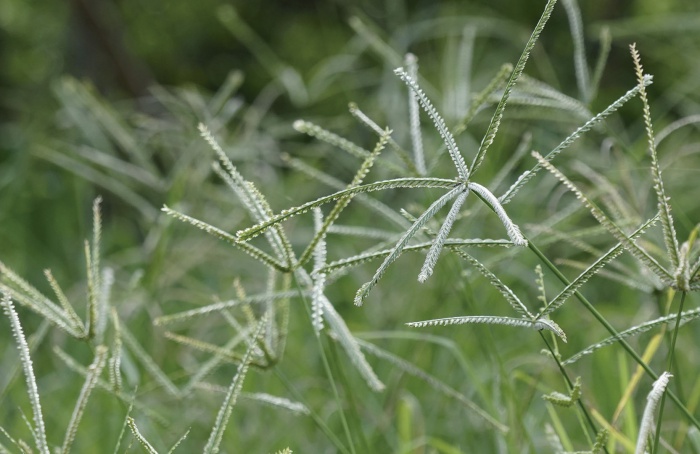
329	374
671	357
613	332
570	384
352	400
319	422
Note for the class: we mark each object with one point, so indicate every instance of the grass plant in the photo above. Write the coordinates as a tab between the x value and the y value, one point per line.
181	333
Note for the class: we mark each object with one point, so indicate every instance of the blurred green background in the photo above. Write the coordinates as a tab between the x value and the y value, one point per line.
123	48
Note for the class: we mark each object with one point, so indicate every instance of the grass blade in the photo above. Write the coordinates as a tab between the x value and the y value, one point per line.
94	372
39	429
517	71
234	390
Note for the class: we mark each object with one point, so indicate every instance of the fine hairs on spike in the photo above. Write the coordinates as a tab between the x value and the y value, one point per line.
434	252
94	372
646	428
662	200
318	276
39	430
401	244
141	439
414	116
447	137
493	320
234	390
513	230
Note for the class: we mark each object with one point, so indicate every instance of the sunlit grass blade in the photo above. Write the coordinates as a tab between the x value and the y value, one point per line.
114	362
603	53
39	428
611	197
517	71
276	402
94	372
674	126
99	178
223	95
376	43
100	122
401	244
63	300
234	390
536	93
362	232
460	73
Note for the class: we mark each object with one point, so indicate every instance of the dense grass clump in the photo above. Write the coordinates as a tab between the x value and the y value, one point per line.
482	260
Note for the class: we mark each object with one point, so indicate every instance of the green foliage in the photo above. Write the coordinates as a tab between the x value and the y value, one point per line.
153	335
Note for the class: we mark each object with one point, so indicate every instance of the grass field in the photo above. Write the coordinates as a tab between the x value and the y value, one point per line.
430	230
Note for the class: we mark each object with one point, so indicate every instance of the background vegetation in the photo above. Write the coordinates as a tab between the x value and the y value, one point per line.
104	99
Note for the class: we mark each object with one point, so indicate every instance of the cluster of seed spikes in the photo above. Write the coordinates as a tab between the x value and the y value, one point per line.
261	341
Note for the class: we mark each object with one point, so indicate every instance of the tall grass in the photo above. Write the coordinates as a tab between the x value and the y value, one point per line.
223	342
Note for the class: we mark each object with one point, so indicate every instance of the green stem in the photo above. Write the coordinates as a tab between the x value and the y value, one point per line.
613	332
671	357
329	373
319	422
571	387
